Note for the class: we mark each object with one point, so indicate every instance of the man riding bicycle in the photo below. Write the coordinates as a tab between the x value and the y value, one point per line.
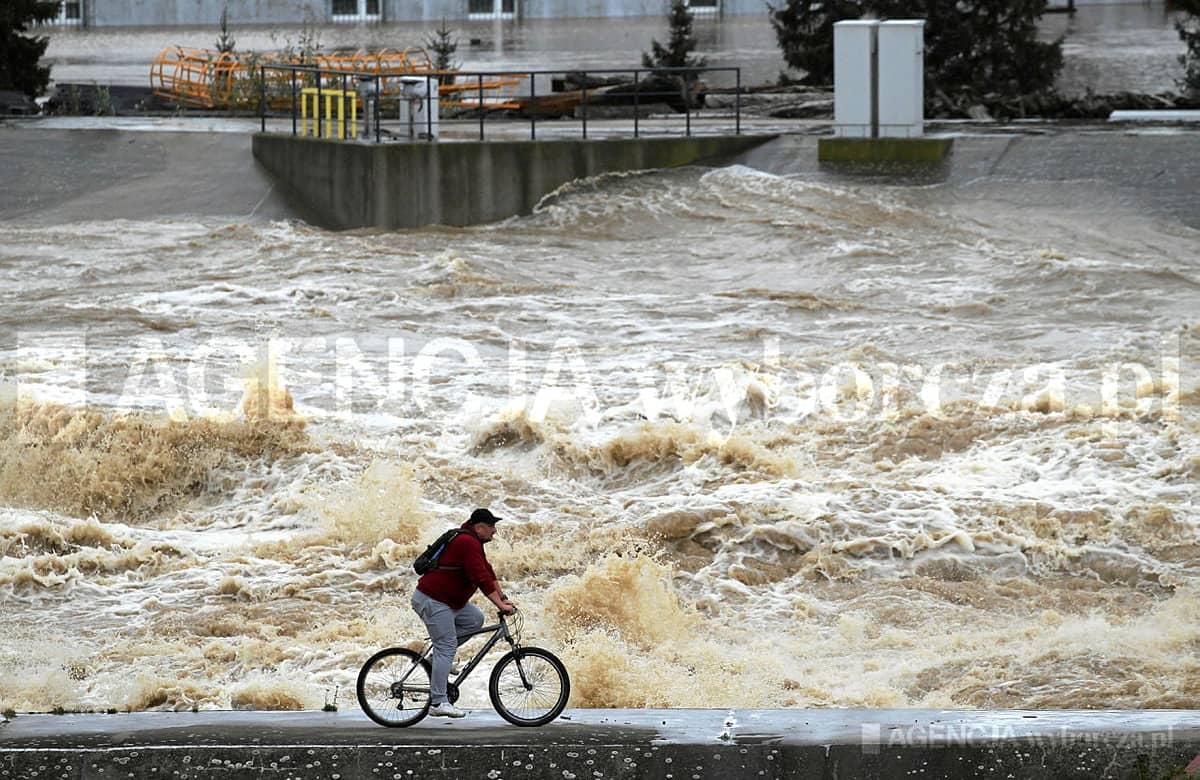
442	601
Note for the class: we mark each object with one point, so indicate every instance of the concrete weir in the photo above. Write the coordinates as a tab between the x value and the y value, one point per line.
344	185
596	744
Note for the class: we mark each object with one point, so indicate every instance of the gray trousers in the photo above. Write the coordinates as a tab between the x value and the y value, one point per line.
448	628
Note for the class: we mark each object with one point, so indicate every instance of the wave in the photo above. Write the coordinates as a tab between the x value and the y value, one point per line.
790	299
679	201
641	452
452	276
675	444
720	425
42	537
510	430
55	555
86	462
384	503
631	597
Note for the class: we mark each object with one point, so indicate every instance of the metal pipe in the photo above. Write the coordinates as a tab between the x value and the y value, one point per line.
584	76
636	73
429	109
377	114
481	107
532	105
687	103
293	102
262	95
737	104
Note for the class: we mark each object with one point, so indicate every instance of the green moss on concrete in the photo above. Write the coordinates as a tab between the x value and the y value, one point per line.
868	150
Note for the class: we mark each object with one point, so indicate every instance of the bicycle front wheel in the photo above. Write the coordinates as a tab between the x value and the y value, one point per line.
393	687
529	687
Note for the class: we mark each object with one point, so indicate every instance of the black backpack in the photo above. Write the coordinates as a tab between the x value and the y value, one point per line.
428	560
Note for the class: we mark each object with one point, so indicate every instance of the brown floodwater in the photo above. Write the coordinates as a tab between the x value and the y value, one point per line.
760	442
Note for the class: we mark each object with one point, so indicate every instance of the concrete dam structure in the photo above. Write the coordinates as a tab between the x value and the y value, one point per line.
352	185
612	744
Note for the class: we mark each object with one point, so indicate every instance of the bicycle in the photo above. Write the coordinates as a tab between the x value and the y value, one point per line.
529	686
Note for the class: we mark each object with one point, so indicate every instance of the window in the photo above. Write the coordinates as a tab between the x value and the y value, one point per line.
70	14
491	9
703	7
356	10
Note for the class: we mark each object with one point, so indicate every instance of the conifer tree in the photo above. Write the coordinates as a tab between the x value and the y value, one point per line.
804	30
443	44
973	46
20	54
1189	33
678	51
981	46
225	41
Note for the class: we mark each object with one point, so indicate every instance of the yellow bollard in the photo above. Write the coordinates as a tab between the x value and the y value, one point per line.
324	117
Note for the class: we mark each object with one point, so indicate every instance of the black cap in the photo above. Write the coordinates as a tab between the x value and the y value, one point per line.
484	516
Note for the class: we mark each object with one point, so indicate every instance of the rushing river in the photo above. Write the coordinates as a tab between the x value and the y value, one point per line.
759	442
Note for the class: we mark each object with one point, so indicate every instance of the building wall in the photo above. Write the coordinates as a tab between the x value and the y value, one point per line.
423	10
559	9
436	10
166	13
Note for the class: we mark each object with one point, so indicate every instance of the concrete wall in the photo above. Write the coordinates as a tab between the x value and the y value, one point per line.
1030	761
349	184
611	744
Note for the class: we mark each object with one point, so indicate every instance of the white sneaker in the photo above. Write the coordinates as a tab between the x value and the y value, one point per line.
446	710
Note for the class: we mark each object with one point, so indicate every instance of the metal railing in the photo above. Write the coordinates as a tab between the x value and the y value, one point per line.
657	101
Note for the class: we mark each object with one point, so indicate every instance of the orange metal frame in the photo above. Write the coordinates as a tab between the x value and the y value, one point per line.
210	79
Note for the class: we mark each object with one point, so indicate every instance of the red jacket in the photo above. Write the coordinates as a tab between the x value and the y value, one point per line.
454	587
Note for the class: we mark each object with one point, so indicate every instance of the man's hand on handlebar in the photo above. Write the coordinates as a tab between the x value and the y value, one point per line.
502	603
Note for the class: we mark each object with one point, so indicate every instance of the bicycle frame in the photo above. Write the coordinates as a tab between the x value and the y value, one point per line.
499	631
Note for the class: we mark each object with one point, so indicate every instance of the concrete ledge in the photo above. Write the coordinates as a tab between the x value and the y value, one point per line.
351	184
870	150
1162	115
627	744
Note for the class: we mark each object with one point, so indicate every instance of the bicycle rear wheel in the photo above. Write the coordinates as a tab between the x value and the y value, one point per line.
529	687
393	687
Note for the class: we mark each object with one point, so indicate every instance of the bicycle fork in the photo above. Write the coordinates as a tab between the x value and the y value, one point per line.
520	669
516	649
